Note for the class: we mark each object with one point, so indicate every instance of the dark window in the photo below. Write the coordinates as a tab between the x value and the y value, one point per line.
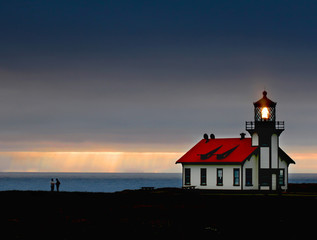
248	177
203	176
187	176
219	176
281	178
236	176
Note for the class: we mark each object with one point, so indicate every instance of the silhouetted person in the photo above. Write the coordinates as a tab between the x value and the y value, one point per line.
57	184
52	185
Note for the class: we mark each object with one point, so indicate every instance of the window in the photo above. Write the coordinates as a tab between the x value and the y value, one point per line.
236	177
187	176
248	177
281	178
203	176
219	176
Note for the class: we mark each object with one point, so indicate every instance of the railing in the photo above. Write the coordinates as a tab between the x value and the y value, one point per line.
279	125
250	125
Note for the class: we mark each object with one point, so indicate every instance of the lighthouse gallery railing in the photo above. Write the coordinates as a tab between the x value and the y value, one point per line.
250	125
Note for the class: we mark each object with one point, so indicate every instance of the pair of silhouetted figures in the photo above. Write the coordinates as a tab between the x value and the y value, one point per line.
53	184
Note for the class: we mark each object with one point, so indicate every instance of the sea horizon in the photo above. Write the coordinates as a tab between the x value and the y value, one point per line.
120	172
87	182
105	181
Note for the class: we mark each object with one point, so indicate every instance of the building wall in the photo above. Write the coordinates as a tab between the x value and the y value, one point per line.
255	140
283	165
265	157
252	163
212	176
274	151
228	178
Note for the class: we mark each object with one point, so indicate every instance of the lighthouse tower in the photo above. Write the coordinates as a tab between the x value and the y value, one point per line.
265	132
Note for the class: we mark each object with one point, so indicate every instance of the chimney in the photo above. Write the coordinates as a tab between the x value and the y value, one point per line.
242	136
206	137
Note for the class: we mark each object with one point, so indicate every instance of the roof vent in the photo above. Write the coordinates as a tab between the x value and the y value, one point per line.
206	137
242	136
212	136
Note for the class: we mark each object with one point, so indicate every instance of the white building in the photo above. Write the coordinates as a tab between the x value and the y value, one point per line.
256	163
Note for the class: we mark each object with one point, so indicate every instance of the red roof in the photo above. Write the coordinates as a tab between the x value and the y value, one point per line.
219	151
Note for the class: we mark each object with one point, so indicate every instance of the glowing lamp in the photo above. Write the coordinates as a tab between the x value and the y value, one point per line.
265	113
264	109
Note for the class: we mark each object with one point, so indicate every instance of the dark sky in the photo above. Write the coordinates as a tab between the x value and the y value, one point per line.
152	75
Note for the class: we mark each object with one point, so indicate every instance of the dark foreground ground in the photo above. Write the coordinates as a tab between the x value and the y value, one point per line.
159	214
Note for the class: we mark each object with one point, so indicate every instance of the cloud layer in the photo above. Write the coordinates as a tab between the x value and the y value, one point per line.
124	76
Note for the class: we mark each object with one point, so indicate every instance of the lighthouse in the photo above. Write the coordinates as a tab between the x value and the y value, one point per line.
241	163
265	132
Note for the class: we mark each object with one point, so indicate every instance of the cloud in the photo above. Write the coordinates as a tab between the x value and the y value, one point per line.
150	76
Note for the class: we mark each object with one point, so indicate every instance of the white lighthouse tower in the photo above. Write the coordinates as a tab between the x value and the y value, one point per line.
265	132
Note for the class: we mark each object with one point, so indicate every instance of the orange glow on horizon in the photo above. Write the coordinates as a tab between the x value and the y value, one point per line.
156	162
89	161
306	162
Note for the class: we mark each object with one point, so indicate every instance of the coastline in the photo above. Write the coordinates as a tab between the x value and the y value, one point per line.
166	212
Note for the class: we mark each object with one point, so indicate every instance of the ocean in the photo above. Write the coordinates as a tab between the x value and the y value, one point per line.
88	182
106	182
